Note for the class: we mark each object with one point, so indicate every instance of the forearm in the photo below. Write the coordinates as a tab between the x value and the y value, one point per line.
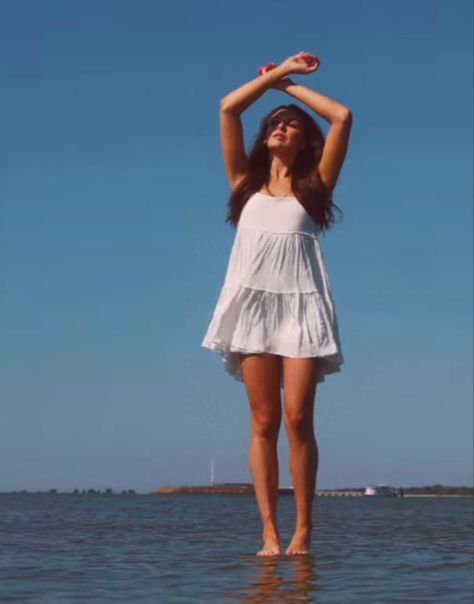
238	100
327	108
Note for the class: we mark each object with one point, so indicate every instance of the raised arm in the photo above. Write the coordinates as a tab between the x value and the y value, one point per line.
337	139
240	99
232	135
339	116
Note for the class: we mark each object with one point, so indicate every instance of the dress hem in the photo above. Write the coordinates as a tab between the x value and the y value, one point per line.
231	356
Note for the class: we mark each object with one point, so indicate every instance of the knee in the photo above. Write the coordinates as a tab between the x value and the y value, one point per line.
299	425
266	426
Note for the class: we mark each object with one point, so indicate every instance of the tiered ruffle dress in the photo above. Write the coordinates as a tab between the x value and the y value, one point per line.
276	295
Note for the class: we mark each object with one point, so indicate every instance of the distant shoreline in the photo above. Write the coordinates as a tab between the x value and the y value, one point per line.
229	489
232	488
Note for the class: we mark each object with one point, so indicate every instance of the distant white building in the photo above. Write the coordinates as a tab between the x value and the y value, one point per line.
380	490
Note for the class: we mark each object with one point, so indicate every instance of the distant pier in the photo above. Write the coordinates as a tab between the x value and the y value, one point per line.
378	491
242	489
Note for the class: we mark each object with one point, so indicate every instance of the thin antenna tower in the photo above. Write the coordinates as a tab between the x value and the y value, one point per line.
212	471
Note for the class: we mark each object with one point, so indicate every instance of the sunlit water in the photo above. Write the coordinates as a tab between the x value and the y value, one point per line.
201	548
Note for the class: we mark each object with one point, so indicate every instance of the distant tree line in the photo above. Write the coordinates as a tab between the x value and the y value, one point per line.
438	489
434	489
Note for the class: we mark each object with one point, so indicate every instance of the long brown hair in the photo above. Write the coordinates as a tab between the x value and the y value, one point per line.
306	181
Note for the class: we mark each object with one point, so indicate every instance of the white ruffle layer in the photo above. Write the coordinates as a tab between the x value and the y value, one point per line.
294	324
276	296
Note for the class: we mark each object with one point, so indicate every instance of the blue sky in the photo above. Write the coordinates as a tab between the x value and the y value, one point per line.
113	245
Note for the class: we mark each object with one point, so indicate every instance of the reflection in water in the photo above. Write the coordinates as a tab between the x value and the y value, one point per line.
201	549
287	579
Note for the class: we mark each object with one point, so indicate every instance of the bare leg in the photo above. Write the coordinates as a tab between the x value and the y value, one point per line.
300	379
261	374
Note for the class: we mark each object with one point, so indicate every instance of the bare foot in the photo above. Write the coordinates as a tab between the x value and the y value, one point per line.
299	543
271	545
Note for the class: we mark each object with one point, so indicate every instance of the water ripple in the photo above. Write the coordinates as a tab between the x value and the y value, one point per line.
177	549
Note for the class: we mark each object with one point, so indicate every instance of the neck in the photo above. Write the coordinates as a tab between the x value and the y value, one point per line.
280	167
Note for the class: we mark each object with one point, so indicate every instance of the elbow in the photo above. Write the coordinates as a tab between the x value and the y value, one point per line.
228	107
343	117
346	116
225	106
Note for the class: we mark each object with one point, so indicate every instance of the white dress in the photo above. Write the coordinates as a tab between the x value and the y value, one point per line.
276	295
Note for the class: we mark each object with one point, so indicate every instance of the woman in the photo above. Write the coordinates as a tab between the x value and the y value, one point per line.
275	323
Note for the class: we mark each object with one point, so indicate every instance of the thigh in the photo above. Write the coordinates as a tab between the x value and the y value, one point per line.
261	373
299	385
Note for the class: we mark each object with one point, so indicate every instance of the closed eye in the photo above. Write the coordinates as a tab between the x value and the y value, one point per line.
294	123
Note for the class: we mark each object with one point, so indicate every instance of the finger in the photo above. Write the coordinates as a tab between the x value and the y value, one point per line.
310	58
264	69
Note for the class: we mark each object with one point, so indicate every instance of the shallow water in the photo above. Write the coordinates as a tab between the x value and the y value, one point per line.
201	548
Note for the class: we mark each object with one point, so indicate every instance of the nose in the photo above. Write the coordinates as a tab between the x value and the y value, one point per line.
280	129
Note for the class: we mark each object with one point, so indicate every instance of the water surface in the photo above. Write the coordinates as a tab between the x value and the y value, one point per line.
201	548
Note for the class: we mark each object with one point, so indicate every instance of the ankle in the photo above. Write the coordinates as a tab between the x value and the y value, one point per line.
270	530
303	528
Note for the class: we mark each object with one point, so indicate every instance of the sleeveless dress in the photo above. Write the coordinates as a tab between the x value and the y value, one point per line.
276	295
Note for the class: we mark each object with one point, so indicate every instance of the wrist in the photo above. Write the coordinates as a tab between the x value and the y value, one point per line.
281	71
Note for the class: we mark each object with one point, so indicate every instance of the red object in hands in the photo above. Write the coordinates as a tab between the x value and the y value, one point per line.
310	59
269	67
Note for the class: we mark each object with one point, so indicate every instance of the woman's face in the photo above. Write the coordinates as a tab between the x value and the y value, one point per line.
285	130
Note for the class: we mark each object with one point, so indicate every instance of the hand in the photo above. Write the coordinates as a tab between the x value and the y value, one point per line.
280	84
302	63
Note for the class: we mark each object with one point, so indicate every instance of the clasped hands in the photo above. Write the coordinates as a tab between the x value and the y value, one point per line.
301	63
